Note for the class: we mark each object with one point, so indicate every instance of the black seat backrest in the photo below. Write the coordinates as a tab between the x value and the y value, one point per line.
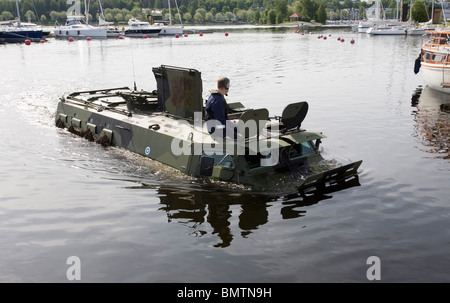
294	114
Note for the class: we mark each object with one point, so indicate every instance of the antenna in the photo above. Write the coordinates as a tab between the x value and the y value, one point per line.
132	63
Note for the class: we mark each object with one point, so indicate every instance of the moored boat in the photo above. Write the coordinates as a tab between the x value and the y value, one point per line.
74	28
139	29
14	32
389	29
167	125
434	60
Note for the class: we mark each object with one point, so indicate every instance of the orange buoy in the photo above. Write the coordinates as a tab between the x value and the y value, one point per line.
27	42
71	39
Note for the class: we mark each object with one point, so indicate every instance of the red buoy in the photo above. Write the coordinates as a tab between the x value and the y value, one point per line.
42	41
177	36
88	39
27	42
71	39
201	34
352	41
145	37
120	37
185	35
324	37
342	39
339	39
226	34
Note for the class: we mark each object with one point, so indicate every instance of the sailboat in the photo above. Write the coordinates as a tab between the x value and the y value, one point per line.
170	29
393	28
15	33
111	30
76	29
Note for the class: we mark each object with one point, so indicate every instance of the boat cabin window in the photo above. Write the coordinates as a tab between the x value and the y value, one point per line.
427	56
437	58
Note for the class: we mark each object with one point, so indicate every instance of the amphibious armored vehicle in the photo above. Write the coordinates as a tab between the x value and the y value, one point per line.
167	125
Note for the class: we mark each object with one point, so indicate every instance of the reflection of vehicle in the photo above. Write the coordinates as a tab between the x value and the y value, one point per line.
195	208
435	61
167	125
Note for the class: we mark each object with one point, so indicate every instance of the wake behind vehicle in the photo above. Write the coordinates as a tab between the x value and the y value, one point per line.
167	125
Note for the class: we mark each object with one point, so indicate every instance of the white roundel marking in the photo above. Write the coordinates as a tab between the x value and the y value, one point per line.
147	150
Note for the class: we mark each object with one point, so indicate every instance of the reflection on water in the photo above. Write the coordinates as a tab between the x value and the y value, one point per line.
196	207
432	125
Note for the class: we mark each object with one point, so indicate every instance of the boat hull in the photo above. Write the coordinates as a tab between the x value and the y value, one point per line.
171	31
436	76
139	33
80	33
19	36
388	31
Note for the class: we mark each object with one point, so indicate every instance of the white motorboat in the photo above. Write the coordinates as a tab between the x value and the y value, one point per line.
140	29
74	28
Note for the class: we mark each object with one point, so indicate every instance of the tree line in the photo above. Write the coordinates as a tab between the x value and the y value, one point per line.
48	12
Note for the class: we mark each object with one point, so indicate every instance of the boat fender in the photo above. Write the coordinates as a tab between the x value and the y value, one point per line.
417	64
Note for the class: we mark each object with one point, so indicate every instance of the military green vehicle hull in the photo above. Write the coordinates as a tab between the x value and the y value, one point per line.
167	125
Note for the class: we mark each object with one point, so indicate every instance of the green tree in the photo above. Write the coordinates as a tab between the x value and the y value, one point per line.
187	17
7	15
307	9
29	15
158	4
272	17
321	14
281	9
419	12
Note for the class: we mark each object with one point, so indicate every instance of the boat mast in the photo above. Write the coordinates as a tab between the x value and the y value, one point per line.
432	12
179	15
86	11
101	9
18	13
170	14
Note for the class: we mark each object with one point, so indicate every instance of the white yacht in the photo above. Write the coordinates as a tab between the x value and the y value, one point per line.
76	29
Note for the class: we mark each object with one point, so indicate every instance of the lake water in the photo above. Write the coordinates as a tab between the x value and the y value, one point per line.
129	219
